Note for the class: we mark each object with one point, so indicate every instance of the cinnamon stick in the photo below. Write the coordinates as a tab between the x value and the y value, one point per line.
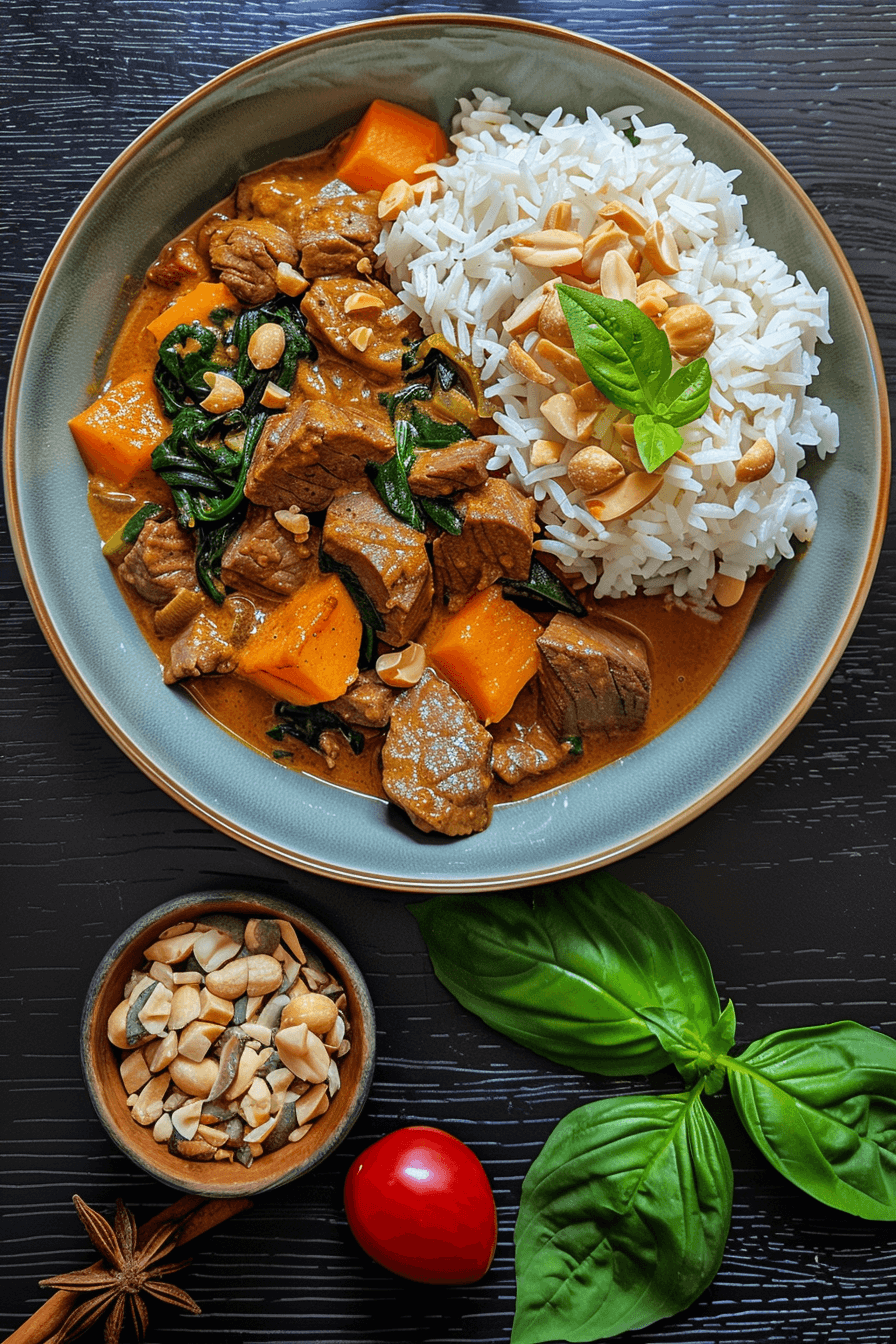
196	1216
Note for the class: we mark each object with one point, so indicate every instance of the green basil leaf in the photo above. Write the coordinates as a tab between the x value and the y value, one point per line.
656	441
686	395
624	354
820	1103
623	1219
587	974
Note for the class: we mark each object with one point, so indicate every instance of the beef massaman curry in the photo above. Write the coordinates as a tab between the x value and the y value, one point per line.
293	490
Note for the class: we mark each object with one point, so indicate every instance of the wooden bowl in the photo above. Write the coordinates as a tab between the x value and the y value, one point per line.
100	1059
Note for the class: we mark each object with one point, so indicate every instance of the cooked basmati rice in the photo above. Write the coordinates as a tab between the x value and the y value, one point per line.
449	260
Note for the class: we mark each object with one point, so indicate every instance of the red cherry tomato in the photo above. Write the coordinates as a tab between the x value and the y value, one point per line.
419	1202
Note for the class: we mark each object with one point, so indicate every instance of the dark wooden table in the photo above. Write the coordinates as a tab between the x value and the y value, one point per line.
789	881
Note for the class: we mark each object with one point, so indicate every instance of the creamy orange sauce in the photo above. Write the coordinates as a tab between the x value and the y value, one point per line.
689	652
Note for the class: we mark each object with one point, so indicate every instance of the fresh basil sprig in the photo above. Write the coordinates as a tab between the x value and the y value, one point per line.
623	1218
625	1212
628	359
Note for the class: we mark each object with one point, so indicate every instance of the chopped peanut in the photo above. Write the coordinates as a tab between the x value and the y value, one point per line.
360	299
592	470
396	198
690	331
559	216
545	453
360	337
661	250
225	394
617	279
274	397
628	219
289	281
549	248
526	366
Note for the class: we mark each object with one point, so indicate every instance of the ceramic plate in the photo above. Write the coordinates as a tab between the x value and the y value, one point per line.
291	100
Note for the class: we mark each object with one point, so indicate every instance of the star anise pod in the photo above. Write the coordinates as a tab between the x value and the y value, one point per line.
130	1271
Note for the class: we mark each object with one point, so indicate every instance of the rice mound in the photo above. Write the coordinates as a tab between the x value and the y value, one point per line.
449	260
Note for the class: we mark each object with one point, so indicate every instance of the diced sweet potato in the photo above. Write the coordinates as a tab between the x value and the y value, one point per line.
389	143
307	650
117	434
196	305
487	651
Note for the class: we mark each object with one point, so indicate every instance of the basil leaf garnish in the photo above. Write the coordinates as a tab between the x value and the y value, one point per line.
656	441
594	975
686	395
820	1103
624	354
628	359
623	1218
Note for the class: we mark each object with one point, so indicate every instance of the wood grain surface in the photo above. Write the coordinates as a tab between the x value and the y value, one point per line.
789	881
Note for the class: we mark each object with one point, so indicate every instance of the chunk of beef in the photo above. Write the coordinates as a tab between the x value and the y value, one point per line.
162	559
336	234
303	457
198	651
388	557
367	703
323	307
334	380
177	261
437	759
266	561
523	750
247	253
592	678
445	471
496	542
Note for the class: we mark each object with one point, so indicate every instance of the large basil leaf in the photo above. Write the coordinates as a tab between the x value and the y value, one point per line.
623	353
820	1103
623	1219
593	975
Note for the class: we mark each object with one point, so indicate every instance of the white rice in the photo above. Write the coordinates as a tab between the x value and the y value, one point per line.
449	260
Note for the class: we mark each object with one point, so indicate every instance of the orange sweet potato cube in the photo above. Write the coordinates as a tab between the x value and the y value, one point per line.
117	434
389	143
196	305
307	650
487	651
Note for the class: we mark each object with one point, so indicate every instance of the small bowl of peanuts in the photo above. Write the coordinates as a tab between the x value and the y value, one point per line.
227	1043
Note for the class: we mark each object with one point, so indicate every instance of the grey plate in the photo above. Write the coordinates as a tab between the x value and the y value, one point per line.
295	98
